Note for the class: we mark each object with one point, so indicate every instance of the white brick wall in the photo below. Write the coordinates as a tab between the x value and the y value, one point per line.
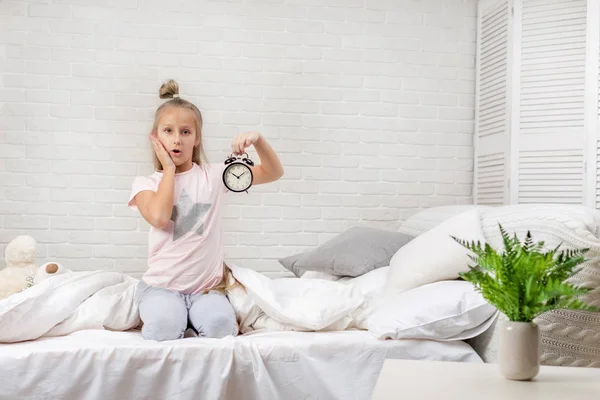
369	104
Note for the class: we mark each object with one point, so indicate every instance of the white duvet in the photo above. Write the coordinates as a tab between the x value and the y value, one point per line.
105	300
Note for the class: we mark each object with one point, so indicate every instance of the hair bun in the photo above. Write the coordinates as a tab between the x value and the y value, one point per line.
169	90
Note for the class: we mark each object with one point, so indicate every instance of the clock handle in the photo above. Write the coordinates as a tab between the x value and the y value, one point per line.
232	156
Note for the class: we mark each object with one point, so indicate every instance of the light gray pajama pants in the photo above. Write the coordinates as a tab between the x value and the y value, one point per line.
167	314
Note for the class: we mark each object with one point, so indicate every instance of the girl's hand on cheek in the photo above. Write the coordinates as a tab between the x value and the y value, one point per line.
162	153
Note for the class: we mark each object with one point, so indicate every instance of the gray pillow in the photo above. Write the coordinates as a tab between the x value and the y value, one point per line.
289	263
352	253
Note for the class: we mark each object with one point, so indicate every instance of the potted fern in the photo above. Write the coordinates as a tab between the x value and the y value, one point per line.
523	282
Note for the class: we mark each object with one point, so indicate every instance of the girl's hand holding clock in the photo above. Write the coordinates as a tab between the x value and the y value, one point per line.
243	140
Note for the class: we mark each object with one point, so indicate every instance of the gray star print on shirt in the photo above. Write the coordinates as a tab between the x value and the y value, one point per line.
187	216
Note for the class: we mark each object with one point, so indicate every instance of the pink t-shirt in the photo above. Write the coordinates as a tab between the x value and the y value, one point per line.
187	255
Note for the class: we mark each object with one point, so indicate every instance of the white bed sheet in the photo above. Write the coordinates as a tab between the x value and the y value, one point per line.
97	364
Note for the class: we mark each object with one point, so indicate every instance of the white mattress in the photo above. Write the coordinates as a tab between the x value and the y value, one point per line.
95	364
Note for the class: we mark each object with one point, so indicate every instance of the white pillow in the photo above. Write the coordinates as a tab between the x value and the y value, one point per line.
573	226
443	311
424	220
434	256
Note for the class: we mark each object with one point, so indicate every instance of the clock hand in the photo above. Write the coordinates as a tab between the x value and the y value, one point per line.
245	172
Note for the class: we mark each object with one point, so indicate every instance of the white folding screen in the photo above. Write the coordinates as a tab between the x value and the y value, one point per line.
593	100
552	98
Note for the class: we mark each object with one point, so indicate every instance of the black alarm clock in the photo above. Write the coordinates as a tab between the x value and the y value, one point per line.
237	175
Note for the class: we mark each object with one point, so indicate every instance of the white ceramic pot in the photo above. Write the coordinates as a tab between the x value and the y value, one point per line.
519	350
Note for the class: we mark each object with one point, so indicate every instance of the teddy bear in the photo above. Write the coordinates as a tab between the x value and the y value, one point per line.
21	270
20	255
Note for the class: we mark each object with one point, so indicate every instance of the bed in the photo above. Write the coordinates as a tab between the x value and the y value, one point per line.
101	364
76	336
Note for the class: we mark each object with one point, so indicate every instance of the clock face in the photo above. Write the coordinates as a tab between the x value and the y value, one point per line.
237	177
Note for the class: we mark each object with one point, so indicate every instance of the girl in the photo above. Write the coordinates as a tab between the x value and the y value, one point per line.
182	200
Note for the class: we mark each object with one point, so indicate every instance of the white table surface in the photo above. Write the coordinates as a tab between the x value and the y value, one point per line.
409	379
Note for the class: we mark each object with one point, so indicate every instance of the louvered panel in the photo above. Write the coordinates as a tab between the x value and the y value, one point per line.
492	123
551	176
553	51
493	44
491	179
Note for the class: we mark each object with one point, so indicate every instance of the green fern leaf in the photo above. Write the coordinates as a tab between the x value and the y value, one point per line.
524	281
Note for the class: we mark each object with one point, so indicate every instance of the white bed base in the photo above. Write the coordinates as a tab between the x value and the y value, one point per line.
96	364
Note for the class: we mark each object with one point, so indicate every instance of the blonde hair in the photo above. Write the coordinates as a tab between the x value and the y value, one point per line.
228	282
170	90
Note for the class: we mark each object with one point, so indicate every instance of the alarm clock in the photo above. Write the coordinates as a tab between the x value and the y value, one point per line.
237	175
